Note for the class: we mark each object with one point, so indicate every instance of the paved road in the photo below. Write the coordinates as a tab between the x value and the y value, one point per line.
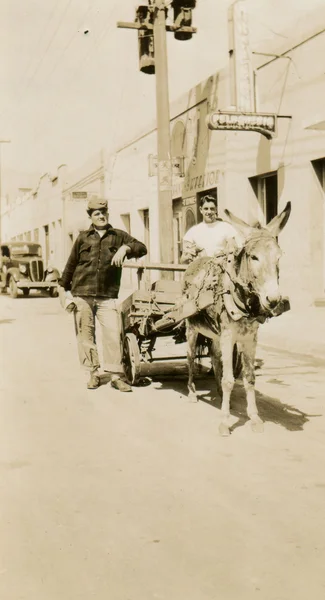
135	496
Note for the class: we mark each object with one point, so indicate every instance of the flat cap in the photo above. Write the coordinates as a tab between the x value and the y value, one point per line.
95	203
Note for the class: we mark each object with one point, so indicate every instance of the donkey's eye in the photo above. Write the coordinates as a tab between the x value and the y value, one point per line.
253	257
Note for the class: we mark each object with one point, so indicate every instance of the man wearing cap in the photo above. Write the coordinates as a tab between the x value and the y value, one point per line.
90	285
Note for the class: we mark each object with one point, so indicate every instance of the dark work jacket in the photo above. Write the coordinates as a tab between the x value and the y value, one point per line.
88	271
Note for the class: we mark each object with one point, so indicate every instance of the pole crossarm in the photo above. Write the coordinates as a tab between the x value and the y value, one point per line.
149	27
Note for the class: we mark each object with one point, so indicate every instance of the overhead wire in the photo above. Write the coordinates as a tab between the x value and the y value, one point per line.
19	100
82	62
48	45
67	46
25	89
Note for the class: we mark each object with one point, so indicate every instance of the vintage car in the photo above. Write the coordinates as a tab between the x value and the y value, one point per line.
22	268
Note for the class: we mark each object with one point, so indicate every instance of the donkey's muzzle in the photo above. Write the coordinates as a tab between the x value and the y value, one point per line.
281	307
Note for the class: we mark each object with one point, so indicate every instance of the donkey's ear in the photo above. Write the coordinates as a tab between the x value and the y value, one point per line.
278	223
242	226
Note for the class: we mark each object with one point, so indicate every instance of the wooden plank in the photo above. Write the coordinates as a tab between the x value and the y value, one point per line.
155	266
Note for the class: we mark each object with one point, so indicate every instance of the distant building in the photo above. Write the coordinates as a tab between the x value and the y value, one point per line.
53	212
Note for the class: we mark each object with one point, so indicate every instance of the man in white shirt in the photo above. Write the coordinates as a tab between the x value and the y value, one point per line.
212	236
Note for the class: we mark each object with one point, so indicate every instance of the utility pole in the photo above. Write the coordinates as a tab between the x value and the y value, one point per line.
1	142
151	25
165	197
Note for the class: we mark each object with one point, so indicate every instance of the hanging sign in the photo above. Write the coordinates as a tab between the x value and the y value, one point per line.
263	123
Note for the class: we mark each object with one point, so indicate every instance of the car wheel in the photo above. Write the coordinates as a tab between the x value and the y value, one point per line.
26	291
53	292
13	288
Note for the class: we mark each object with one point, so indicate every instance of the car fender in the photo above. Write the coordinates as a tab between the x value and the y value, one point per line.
52	276
13	272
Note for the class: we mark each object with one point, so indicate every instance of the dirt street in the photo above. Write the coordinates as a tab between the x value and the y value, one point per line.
135	496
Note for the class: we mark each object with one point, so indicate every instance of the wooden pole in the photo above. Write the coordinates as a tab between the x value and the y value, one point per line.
165	201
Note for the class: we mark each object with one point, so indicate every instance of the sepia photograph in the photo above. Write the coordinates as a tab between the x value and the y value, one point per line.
162	299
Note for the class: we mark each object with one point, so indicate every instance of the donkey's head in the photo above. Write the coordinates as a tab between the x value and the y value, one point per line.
258	261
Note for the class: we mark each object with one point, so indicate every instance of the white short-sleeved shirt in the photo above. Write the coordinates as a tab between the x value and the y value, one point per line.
212	237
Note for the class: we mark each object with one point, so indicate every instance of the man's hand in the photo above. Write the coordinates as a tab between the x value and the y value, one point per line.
190	252
120	255
66	300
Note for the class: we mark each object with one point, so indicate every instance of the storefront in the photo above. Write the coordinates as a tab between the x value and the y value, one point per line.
247	173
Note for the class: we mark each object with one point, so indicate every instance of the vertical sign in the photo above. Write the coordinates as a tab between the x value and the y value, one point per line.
240	58
164	176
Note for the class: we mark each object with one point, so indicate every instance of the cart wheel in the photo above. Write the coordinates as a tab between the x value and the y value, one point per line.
131	359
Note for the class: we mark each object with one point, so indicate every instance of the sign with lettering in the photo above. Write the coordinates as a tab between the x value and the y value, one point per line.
263	123
177	165
80	195
164	175
203	181
241	58
189	201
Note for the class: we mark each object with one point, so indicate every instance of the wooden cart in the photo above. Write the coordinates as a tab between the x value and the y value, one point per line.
149	314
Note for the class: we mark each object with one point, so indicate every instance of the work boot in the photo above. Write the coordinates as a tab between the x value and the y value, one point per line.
119	384
94	381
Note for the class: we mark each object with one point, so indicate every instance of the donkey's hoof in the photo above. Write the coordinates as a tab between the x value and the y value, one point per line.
224	430
193	397
257	424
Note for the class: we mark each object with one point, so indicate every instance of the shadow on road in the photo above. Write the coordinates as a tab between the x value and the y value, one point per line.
270	409
6	321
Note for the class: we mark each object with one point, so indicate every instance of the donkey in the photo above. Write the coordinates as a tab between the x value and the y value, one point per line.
245	286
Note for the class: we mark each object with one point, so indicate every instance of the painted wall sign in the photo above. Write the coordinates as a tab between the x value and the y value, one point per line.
200	182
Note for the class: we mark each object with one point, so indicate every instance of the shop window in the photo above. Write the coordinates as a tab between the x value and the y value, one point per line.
319	168
146	227
177	228
126	222
319	234
266	191
70	241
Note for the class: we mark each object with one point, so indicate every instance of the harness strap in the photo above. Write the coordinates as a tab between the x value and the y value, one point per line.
234	306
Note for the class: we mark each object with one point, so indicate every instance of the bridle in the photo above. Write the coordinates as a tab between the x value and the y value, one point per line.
243	292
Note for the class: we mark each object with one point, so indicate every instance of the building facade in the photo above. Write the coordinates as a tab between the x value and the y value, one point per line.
250	175
54	211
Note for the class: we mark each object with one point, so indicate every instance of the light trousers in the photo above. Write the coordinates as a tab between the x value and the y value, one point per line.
105	311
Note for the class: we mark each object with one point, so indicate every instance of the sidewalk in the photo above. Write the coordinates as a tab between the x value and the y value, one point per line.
299	331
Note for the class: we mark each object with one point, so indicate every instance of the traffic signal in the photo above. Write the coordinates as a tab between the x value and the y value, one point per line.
183	17
145	41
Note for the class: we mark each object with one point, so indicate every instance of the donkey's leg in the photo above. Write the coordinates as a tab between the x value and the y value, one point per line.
215	353
191	336
248	357
227	382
